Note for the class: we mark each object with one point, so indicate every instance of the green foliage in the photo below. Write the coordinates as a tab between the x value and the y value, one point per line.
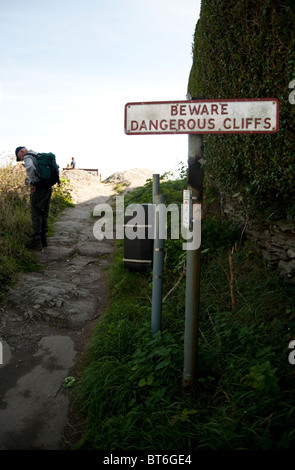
68	382
130	387
121	187
171	188
218	234
262	378
246	49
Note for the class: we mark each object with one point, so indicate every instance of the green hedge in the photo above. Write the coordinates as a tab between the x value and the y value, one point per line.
246	49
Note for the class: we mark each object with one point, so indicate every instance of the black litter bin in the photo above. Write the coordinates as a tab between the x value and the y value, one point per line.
138	251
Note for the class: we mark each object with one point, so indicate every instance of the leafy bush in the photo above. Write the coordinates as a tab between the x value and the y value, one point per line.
247	50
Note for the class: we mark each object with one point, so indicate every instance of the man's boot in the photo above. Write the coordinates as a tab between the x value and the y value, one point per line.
44	242
35	244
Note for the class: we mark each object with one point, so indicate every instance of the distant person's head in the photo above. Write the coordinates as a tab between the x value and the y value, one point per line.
20	152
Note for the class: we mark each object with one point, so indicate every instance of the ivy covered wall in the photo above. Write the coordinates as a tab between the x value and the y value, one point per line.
246	49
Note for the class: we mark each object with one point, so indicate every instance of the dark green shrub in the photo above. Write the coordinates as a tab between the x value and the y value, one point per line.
246	49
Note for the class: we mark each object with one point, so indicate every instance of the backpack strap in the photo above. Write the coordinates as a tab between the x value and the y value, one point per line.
33	154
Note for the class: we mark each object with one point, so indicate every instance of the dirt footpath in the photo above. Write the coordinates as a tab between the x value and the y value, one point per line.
45	323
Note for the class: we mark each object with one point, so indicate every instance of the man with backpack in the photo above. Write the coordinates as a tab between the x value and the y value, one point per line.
42	173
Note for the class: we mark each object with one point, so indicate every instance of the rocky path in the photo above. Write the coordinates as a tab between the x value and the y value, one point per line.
45	323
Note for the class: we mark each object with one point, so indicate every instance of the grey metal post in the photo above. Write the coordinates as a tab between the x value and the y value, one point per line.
158	263
156	186
195	184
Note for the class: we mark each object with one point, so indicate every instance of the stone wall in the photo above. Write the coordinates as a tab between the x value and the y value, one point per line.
276	241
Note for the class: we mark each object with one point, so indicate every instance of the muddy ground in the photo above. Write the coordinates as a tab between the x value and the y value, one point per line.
45	323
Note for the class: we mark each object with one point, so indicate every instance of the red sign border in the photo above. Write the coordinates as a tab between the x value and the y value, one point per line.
202	101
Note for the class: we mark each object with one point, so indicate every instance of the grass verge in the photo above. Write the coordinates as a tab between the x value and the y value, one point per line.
130	386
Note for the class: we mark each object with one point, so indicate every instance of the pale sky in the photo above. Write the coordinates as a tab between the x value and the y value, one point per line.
68	67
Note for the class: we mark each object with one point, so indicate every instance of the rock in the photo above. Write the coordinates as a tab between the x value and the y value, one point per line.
287	269
276	241
285	225
130	178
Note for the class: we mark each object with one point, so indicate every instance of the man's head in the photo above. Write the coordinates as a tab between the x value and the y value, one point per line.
20	152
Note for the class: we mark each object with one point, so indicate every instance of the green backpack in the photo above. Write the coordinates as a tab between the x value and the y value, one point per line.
47	168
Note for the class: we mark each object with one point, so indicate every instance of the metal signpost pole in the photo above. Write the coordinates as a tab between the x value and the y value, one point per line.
156	186
158	262
195	185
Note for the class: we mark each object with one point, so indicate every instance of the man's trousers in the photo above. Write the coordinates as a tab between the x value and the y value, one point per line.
40	202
